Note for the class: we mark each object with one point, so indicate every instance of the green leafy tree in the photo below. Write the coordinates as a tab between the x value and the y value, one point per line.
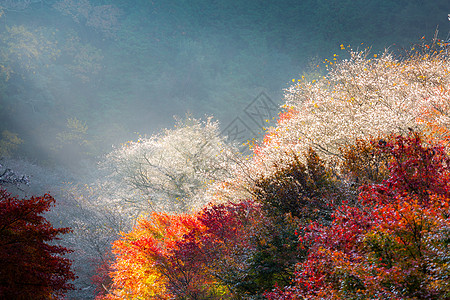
303	191
8	143
26	50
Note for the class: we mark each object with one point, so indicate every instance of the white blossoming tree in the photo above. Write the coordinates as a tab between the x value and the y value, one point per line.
174	171
364	96
169	171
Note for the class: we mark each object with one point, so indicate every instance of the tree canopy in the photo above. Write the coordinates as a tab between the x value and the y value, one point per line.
33	266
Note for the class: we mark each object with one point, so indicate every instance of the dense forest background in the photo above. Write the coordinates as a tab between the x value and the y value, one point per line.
80	76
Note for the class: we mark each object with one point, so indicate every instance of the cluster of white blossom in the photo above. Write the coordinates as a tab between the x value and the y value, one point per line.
363	96
170	171
174	171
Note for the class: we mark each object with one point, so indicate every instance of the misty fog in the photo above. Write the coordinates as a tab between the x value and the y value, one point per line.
123	68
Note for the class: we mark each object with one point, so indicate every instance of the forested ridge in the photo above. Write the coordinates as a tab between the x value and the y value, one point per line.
344	194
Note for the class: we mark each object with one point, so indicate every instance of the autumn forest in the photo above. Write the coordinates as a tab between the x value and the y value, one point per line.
304	162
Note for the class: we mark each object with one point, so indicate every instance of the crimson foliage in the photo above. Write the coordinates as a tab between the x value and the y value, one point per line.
32	266
394	243
236	252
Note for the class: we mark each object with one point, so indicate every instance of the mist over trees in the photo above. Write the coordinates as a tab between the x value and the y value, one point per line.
121	67
343	194
366	216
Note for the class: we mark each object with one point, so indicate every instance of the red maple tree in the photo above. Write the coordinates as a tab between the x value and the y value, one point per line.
394	243
32	265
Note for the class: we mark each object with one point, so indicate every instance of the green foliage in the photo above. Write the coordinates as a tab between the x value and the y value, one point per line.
9	143
103	18
294	188
86	60
75	135
273	261
26	50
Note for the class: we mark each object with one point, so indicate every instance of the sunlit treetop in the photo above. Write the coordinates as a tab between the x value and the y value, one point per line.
364	96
